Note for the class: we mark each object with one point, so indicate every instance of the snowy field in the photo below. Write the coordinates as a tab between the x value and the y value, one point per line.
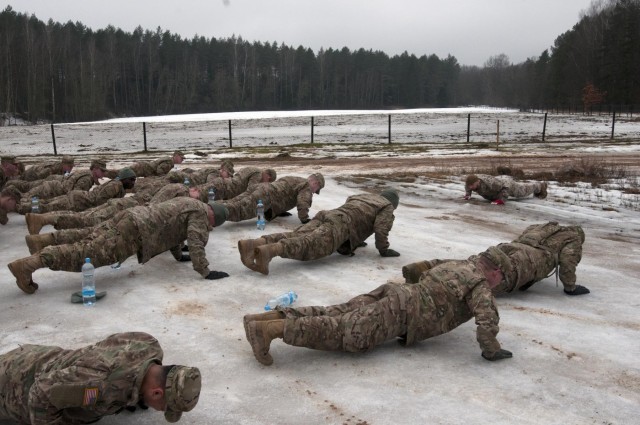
575	358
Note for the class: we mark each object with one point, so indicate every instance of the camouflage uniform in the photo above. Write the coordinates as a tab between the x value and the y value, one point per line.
145	231
81	180
80	200
244	180
159	167
443	299
46	384
342	229
42	170
503	187
25	186
278	197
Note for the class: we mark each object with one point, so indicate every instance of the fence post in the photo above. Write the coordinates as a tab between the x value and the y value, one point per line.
144	135
544	127
230	139
53	137
613	123
311	130
468	126
389	128
498	136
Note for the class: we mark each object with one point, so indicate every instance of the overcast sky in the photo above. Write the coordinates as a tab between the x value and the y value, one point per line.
470	30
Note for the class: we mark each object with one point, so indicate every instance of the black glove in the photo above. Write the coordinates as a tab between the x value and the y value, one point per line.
185	248
216	275
580	290
389	253
362	245
285	214
502	354
305	220
185	257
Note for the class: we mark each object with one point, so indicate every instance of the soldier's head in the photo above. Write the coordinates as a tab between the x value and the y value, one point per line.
9	198
472	182
67	163
178	157
98	169
226	169
128	178
172	389
196	193
497	257
392	196
269	175
9	165
316	182
491	271
218	213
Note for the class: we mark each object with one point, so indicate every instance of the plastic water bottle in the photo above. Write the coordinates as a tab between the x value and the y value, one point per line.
261	223
283	300
212	193
116	266
186	181
88	283
66	174
35	205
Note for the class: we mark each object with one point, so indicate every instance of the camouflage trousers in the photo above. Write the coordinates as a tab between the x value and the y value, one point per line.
48	189
93	216
110	242
243	207
520	190
355	326
317	239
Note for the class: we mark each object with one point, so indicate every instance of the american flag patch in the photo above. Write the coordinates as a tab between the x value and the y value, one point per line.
90	396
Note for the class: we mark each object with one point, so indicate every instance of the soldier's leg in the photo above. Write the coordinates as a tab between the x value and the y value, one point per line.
59	203
89	218
412	272
357	330
522	190
568	260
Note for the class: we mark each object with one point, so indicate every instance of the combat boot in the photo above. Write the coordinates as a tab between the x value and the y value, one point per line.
35	222
543	191
412	272
37	242
261	333
247	251
260	317
264	254
23	269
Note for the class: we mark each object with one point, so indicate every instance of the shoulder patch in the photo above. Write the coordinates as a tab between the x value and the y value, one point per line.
90	396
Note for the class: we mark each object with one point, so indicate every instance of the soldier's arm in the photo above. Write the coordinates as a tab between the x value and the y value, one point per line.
303	204
482	305
382	226
197	238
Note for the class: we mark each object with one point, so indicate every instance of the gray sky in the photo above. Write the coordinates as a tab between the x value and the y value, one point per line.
470	30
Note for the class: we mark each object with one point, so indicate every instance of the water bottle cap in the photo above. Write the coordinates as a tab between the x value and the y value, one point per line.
87	260
267	307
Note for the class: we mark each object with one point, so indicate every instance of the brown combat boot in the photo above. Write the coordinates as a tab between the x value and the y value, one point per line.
37	242
264	254
247	251
412	272
23	269
260	317
261	333
543	191
35	222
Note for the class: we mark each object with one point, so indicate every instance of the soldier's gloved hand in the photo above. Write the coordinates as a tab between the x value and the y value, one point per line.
498	202
185	248
467	197
502	354
185	257
580	290
362	245
389	253
285	214
216	275
305	220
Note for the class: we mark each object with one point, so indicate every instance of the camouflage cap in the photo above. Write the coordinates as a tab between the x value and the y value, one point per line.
181	391
503	262
227	165
320	179
11	192
471	179
392	196
220	212
98	163
126	173
178	152
11	159
68	160
272	174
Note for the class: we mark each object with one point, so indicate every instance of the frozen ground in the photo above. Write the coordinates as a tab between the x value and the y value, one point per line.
575	359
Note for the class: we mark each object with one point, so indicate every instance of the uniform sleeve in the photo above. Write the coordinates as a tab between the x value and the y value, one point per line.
51	393
382	227
164	167
467	191
482	304
304	203
197	237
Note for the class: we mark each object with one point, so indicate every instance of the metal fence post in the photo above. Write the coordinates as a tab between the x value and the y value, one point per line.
230	139
311	130
498	136
544	127
53	137
613	123
389	129
468	126
144	135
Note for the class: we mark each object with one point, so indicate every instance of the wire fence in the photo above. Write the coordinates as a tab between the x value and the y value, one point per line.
461	129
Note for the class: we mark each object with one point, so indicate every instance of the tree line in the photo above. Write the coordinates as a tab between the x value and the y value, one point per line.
69	72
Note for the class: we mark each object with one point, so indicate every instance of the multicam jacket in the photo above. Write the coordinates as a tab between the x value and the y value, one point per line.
284	194
42	170
81	180
46	385
159	167
490	188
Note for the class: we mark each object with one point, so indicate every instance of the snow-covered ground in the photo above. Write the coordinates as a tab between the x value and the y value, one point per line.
575	358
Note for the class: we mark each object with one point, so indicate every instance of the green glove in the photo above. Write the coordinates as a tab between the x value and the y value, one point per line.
502	354
389	253
76	297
